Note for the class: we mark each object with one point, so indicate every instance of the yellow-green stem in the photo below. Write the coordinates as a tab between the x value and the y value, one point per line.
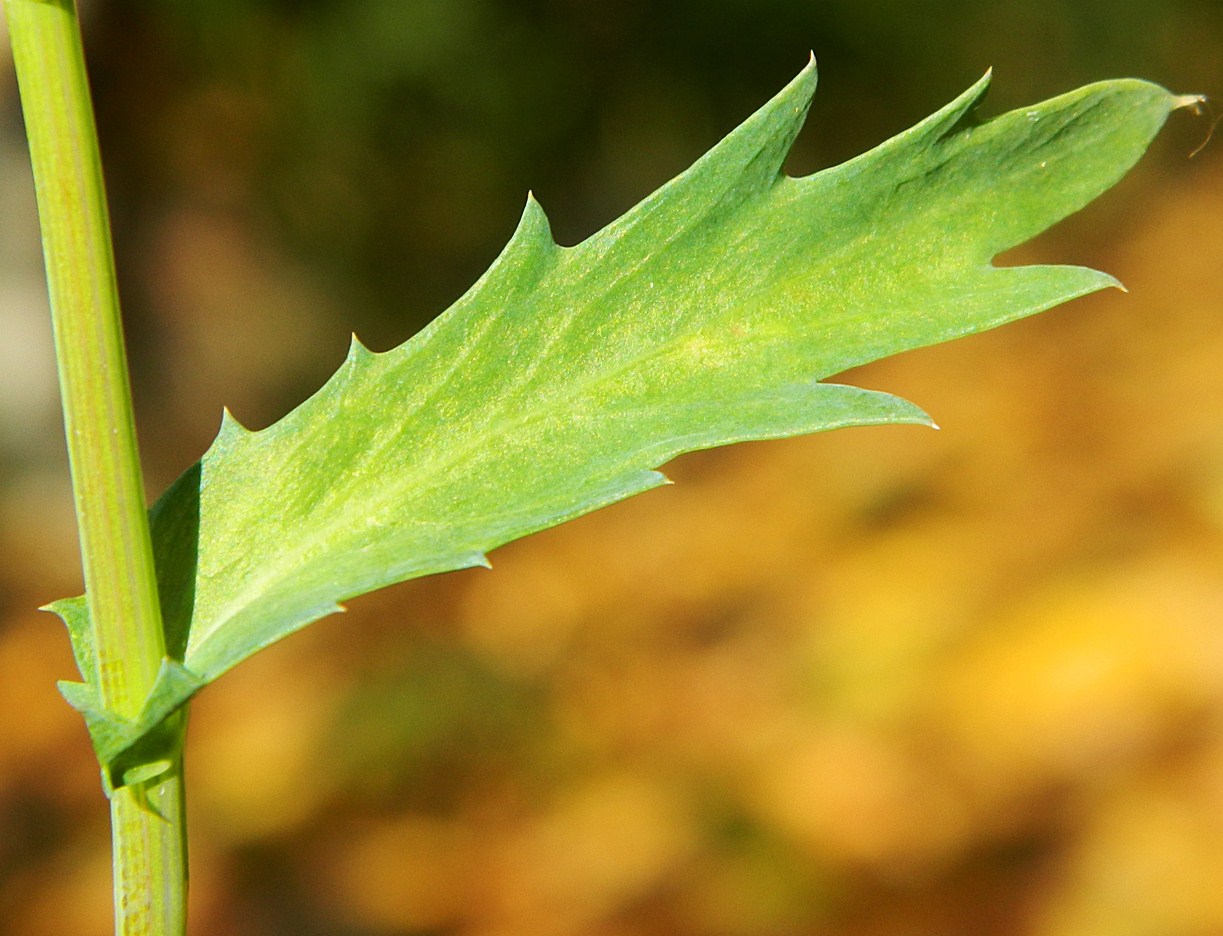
149	843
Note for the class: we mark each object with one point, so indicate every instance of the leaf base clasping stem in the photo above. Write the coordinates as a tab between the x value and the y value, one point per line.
150	865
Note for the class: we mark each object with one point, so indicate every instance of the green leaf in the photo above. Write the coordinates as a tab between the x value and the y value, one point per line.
708	314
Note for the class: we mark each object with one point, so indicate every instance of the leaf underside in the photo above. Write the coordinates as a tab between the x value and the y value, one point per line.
709	314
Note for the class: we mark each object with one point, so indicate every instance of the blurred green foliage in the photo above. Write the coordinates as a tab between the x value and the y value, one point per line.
391	142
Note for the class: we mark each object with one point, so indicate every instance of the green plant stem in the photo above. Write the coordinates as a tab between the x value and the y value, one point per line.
148	838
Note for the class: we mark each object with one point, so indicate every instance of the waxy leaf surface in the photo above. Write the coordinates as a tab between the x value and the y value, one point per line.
711	313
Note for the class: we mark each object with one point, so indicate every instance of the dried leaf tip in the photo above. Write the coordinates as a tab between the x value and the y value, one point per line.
1199	104
1194	101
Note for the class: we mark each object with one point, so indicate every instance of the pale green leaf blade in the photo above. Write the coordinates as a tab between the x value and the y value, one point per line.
708	314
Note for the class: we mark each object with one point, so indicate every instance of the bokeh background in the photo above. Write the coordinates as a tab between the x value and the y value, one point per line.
882	682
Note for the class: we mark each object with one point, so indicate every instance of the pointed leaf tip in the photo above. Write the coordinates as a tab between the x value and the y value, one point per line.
1193	101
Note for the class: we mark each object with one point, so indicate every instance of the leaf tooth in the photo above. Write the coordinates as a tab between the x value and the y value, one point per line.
232	432
81	696
534	228
958	114
949	120
525	258
65	608
75	615
527	254
358	358
357	350
470	557
746	163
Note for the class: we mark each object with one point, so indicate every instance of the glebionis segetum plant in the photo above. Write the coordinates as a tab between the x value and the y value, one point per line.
716	311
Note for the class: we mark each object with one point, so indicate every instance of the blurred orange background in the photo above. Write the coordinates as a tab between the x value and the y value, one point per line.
884	682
